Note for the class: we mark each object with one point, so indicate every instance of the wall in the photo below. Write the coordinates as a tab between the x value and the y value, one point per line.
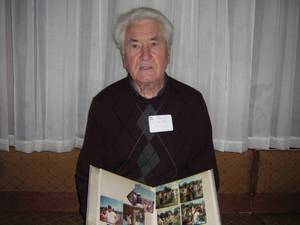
255	181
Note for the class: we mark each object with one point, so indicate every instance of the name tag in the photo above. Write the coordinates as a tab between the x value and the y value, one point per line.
160	123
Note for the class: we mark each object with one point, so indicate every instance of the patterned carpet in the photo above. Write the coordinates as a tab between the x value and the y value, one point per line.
66	218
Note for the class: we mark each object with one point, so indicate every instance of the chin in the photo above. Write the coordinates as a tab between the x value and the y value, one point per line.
147	80
149	77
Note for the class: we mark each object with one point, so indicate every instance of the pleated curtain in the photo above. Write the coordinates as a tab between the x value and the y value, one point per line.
242	55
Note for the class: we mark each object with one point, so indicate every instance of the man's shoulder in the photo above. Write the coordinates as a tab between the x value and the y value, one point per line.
112	90
184	90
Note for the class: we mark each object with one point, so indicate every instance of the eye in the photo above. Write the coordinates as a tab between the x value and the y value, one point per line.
154	43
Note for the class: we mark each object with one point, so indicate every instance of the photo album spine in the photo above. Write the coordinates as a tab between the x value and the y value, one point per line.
93	195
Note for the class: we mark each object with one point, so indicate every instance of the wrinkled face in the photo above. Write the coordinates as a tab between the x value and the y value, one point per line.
146	54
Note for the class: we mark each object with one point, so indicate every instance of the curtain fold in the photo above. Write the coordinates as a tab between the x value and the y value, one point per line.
4	141
242	55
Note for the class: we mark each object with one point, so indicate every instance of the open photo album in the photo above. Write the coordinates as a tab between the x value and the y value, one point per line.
113	199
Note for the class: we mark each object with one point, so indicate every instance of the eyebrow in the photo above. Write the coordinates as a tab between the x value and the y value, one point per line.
133	40
156	38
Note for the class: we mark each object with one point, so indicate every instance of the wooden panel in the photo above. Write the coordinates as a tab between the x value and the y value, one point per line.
276	203
30	201
232	203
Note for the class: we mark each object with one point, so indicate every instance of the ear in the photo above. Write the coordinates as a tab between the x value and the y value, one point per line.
123	57
169	54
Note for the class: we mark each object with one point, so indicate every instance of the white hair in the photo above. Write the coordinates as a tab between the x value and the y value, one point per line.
139	14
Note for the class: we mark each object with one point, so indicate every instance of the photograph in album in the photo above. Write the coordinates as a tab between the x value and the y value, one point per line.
190	188
111	210
167	195
142	198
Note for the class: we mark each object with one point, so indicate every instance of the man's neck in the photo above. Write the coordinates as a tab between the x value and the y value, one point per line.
151	90
148	91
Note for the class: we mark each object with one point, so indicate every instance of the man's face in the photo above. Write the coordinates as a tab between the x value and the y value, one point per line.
146	54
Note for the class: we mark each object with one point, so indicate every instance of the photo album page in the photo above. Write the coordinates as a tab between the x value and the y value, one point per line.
113	199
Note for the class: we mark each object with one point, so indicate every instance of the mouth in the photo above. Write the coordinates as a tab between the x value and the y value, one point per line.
146	67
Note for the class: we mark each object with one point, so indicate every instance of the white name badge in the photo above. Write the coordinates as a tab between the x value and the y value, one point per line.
160	123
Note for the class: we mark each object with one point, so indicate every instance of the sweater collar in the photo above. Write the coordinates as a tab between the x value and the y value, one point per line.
159	93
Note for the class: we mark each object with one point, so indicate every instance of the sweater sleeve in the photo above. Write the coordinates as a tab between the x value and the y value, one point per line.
91	154
203	156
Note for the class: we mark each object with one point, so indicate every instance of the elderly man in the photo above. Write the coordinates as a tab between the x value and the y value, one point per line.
148	126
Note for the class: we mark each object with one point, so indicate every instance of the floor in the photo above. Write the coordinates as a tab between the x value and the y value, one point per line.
44	218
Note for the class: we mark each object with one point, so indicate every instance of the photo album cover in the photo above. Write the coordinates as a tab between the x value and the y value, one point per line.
113	199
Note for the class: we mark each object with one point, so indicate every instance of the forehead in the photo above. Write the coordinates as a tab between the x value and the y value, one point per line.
147	29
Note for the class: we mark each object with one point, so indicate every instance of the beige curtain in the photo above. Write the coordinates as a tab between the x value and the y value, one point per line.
243	55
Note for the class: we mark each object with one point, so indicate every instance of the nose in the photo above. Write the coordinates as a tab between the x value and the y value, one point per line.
145	55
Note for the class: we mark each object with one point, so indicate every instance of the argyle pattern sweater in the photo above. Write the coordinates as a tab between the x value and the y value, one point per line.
118	139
